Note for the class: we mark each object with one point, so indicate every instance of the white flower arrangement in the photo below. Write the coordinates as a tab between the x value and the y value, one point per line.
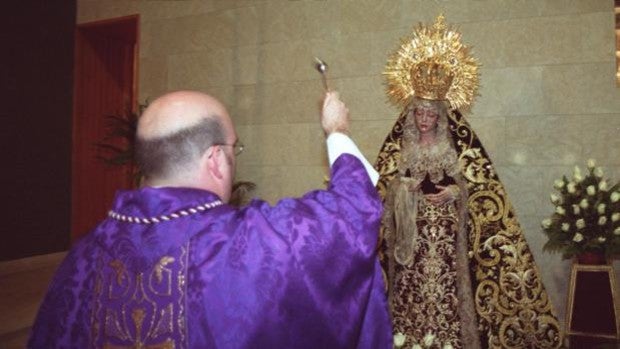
591	164
586	215
571	187
577	174
598	172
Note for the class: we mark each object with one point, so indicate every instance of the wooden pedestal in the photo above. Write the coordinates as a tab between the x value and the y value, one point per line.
592	319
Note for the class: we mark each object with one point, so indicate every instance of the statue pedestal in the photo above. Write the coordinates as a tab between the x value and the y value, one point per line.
592	310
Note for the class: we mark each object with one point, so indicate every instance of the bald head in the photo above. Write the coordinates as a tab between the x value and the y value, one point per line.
175	131
179	110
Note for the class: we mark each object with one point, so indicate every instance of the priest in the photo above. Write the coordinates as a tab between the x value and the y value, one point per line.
174	266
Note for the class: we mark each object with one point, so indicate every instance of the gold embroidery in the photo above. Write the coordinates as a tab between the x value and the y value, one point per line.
424	297
140	307
165	324
120	270
511	302
182	290
158	272
137	315
161	266
113	327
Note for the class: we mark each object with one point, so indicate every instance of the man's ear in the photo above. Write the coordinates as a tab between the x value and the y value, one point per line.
212	158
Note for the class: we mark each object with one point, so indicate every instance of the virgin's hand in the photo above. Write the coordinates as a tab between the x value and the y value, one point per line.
445	195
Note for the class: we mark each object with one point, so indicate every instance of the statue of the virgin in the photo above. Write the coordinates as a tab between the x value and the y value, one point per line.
459	271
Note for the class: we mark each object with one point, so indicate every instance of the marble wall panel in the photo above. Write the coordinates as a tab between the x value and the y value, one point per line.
611	172
292	60
543	140
492	134
274	183
353	56
495	10
524	188
153	78
224	94
510	91
277	103
167	9
96	10
543	40
303	100
298	180
370	135
274	104
213	30
601	138
245	105
245	65
300	20
580	88
199	70
179	35
370	15
366	99
382	44
275	145
227	4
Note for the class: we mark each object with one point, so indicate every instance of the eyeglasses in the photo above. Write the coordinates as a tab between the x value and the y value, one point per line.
237	147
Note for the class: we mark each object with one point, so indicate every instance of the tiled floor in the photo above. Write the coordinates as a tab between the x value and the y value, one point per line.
23	284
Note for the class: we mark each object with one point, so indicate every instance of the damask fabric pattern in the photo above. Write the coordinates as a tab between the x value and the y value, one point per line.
511	303
300	274
425	292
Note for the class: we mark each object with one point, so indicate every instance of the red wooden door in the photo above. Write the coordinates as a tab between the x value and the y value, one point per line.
105	84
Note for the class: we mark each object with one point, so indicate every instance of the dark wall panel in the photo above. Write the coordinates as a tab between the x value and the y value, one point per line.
36	79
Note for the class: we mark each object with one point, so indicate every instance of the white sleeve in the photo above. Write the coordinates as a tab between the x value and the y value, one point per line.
339	143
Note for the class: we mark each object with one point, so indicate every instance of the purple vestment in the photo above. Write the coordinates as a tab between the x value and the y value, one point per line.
300	274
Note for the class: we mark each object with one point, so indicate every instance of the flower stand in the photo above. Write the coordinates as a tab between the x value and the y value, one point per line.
592	318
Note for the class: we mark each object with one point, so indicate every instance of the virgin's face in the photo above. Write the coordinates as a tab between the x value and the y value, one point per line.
425	119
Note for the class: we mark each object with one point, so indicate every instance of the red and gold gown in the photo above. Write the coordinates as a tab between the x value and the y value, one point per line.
459	274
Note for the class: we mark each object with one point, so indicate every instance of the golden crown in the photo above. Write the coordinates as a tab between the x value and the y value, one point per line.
430	80
432	63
